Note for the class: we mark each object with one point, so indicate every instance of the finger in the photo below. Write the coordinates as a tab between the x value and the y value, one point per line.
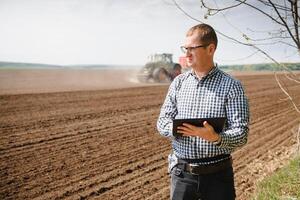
183	128
183	133
186	132
189	134
189	125
207	125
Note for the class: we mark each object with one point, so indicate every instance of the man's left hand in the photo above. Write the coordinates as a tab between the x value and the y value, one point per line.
206	132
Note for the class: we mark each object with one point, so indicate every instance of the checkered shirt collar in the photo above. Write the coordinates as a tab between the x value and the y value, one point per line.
211	73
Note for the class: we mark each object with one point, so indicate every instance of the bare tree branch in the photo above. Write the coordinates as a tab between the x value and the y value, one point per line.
285	24
288	44
243	58
221	9
279	7
197	20
289	27
296	19
292	77
295	78
273	43
280	31
244	2
269	38
286	93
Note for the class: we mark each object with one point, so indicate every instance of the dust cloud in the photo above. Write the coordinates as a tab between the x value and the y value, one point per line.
57	80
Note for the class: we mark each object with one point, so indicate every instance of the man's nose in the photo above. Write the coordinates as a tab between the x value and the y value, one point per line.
188	53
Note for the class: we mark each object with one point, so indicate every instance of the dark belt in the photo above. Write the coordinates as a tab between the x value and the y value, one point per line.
205	169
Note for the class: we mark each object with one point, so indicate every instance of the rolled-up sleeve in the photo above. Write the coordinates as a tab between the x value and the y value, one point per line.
237	113
168	112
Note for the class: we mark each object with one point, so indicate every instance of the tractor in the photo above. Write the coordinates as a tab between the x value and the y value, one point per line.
159	69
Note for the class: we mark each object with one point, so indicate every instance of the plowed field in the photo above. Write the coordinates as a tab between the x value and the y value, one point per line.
104	144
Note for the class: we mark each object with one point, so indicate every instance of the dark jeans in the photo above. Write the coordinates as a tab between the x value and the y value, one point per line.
216	186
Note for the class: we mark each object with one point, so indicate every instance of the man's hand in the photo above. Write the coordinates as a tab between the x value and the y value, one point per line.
206	132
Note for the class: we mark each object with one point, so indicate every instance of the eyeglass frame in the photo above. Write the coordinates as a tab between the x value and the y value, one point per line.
190	49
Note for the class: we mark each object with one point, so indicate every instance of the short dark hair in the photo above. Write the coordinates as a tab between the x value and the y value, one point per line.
206	34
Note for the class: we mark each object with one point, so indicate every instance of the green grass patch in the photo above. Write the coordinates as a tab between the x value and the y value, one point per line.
284	184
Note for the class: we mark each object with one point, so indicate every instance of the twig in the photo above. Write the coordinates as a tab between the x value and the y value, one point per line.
294	78
286	93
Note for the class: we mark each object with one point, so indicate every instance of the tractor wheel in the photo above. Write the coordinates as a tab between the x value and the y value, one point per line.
161	75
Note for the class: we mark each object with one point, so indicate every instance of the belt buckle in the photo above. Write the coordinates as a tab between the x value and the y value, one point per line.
192	168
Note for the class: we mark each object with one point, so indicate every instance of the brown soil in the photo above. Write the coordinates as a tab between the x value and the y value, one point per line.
104	145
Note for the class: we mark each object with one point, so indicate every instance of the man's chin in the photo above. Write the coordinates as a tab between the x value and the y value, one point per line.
190	65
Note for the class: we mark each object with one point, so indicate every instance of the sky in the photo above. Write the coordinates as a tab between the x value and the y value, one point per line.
124	32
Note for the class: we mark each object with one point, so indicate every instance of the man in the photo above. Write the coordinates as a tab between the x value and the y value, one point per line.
201	164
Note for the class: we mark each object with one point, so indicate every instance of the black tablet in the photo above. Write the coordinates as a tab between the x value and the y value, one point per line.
218	123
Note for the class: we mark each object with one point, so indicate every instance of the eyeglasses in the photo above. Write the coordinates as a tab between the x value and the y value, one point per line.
190	49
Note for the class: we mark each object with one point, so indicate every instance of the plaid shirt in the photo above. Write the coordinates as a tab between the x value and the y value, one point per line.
215	95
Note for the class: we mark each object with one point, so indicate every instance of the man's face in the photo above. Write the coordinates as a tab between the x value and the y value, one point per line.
198	56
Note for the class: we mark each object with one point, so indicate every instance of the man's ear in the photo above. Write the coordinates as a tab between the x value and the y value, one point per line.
211	49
